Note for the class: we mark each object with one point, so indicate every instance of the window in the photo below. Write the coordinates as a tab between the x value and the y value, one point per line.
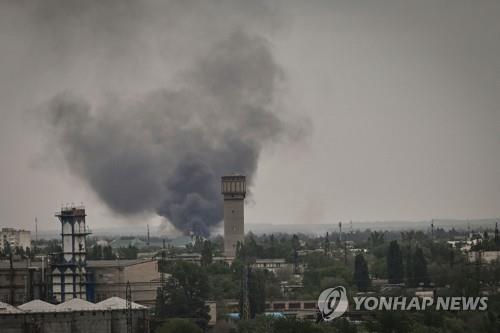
279	306
309	305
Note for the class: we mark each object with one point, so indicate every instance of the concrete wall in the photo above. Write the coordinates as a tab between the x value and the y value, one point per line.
234	226
27	285
112	281
112	321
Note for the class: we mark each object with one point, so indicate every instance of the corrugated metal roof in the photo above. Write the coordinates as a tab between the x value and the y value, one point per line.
37	306
7	308
77	304
117	303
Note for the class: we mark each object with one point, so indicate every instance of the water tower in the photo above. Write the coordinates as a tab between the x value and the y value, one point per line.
233	189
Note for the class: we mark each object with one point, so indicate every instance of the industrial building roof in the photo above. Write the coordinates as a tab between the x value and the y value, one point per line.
116	263
37	306
8	309
21	264
126	242
117	303
77	304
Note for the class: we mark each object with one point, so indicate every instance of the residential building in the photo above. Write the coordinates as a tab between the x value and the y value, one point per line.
15	238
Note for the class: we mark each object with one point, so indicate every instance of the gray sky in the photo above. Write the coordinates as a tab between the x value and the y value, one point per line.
396	102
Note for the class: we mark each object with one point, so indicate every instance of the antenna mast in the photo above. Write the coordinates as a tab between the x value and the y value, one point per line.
36	234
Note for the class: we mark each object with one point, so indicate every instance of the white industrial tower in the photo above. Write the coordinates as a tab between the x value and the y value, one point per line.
233	189
69	274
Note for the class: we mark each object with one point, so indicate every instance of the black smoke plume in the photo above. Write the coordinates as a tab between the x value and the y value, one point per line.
166	151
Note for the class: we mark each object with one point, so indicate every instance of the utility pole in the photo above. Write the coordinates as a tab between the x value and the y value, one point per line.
245	313
345	253
147	242
340	231
496	233
12	287
36	234
128	296
432	229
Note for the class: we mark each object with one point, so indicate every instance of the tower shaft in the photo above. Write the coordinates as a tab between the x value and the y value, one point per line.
233	189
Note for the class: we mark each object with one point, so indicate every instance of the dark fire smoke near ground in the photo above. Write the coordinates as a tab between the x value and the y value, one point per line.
166	151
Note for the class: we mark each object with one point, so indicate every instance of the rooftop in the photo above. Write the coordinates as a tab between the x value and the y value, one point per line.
23	264
117	243
117	303
77	304
116	263
7	308
37	306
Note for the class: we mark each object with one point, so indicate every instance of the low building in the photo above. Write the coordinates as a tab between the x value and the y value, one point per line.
76	315
193	258
15	238
288	288
483	257
126	242
272	265
109	278
303	309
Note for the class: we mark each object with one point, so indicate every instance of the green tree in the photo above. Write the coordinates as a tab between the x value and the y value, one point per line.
178	325
376	238
107	253
257	292
419	269
129	252
206	253
326	244
7	249
361	276
295	258
184	294
394	263
95	253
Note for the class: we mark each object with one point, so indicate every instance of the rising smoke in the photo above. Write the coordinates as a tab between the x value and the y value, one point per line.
166	151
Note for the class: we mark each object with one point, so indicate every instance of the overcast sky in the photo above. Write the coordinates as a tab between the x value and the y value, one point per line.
391	108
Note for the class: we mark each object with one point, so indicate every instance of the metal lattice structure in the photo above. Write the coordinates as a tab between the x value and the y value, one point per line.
69	272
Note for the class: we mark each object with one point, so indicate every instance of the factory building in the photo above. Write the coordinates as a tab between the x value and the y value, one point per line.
26	280
233	188
75	315
69	274
22	281
109	278
15	238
